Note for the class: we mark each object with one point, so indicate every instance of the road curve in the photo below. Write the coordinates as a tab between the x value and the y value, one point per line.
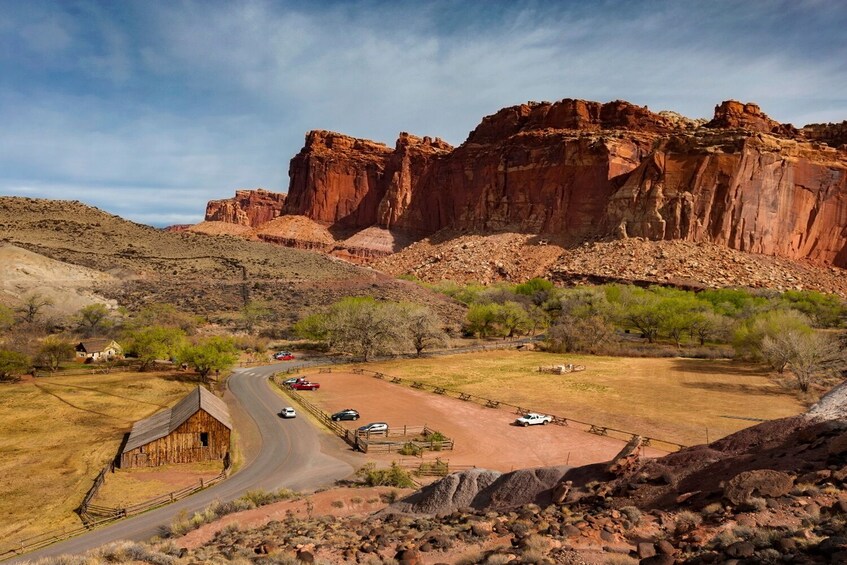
290	456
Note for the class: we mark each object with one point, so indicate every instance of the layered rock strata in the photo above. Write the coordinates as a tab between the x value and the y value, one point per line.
576	170
248	208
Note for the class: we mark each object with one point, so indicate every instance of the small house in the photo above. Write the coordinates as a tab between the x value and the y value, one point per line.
197	428
102	349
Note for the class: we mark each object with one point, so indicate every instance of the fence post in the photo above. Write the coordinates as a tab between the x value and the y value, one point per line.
201	482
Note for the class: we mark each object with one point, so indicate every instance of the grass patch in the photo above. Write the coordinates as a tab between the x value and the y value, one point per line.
669	398
58	432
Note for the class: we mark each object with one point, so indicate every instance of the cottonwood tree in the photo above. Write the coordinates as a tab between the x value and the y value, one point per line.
587	334
252	313
53	351
749	336
93	319
212	354
424	328
365	327
482	319
513	319
12	364
155	342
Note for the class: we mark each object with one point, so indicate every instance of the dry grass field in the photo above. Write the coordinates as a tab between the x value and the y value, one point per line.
126	487
673	399
57	433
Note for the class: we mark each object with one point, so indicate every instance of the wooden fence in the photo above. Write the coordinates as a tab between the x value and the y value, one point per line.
94	515
367	442
518	410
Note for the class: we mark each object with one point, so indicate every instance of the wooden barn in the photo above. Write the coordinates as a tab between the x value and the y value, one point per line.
197	428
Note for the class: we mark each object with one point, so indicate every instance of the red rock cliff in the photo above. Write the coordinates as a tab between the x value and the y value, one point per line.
578	169
248	207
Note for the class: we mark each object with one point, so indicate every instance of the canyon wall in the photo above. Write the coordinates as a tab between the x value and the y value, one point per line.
576	170
248	208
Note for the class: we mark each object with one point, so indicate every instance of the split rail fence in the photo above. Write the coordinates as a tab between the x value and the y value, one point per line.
597	429
395	440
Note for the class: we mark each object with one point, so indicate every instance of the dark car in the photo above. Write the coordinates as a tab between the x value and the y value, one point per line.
346	414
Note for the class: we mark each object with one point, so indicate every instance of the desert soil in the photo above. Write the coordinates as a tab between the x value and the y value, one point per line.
484	437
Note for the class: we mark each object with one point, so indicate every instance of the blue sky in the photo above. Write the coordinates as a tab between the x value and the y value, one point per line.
148	109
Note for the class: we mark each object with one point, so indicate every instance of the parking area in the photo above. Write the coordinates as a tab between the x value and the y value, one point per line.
484	437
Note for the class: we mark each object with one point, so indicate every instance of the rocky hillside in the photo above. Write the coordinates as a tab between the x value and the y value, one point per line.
773	493
135	264
576	171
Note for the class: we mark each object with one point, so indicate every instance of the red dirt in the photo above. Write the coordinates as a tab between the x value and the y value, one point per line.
484	437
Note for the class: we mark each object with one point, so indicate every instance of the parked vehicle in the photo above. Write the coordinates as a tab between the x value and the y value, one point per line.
292	380
287	412
305	385
283	356
532	419
373	428
346	414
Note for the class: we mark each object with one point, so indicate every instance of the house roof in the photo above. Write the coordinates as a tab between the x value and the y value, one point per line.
95	345
166	421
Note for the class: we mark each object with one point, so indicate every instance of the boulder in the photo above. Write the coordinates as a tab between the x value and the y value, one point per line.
761	482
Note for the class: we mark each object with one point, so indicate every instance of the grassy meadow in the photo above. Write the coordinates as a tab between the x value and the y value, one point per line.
673	399
56	434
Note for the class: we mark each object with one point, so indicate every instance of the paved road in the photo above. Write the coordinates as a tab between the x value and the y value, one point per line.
290	456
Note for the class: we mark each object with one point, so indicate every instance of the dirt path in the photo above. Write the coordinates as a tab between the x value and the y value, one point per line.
485	437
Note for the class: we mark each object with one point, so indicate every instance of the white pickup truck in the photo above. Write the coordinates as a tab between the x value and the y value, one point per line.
531	419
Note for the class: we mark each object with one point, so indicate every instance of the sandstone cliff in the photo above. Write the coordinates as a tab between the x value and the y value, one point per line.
248	208
575	170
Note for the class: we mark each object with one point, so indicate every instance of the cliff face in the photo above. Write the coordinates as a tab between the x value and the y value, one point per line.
249	208
576	170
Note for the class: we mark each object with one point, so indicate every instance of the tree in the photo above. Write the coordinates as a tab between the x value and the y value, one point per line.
252	313
212	354
314	326
365	327
93	320
586	334
12	364
164	315
825	310
809	356
678	315
423	328
155	342
707	325
33	306
482	319
538	290
53	351
748	336
513	319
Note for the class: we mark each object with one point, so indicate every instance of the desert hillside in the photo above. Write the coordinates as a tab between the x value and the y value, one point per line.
134	264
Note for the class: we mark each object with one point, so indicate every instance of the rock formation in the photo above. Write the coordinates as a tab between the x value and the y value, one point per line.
576	171
248	208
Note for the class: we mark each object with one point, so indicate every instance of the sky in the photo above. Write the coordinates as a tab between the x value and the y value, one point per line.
148	109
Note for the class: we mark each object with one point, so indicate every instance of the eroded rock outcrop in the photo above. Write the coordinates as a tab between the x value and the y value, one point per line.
248	208
576	170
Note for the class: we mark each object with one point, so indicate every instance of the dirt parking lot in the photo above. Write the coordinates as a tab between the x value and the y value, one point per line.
484	437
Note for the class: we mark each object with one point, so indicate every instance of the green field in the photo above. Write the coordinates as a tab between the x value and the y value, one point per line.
674	399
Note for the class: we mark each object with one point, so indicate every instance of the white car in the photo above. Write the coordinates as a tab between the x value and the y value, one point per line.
531	419
287	412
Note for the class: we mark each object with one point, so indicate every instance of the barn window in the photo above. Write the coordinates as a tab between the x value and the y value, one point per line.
204	439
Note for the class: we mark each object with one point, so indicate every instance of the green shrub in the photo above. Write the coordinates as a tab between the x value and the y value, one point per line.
394	476
410	449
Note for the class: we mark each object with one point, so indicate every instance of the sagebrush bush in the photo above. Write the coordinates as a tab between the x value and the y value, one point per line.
632	514
394	476
686	521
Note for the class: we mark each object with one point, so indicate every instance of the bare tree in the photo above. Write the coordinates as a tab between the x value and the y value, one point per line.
808	355
424	328
33	306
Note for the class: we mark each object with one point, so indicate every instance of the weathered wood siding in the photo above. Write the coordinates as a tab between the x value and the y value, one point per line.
183	445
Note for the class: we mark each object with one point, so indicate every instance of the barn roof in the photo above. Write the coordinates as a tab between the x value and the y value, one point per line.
166	421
